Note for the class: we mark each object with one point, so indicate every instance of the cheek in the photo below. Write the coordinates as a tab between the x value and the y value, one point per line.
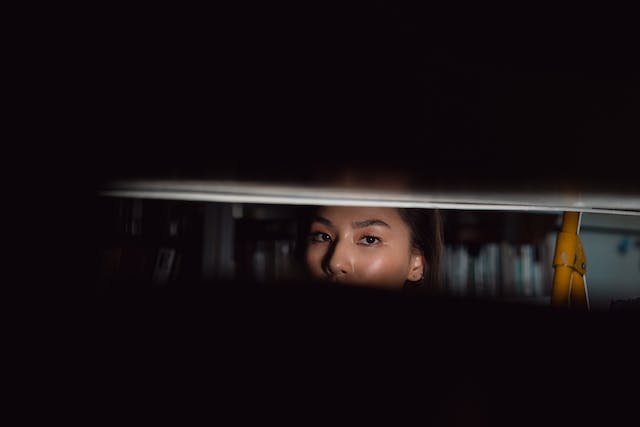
384	267
313	259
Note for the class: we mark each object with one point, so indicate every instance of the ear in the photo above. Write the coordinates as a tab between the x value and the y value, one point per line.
417	267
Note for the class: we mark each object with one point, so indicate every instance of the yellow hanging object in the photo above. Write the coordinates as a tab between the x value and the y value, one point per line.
570	264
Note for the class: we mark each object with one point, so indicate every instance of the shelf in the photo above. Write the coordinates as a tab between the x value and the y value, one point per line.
491	199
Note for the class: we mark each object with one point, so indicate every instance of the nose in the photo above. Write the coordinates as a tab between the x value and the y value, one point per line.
338	262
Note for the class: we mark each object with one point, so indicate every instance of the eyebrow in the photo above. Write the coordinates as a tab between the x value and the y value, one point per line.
369	222
355	224
322	220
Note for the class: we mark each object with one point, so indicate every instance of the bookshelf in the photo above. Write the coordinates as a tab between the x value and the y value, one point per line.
499	255
148	243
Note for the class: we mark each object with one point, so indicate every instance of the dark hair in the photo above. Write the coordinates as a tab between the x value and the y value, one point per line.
425	226
304	215
427	236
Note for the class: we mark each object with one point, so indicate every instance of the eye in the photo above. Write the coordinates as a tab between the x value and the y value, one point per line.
369	240
319	237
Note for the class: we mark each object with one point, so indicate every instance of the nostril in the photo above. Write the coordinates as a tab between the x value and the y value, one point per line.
338	278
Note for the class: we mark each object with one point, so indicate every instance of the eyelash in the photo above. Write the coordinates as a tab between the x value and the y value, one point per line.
318	237
377	240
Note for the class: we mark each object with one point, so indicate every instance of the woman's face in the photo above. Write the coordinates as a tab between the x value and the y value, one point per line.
362	245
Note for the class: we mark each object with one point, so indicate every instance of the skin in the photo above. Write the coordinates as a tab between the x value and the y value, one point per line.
367	246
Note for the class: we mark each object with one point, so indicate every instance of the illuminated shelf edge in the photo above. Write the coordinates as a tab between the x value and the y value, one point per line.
234	192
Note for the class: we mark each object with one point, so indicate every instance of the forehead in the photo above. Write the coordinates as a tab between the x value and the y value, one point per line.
340	215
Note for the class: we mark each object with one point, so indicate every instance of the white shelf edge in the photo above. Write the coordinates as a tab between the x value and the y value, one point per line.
234	192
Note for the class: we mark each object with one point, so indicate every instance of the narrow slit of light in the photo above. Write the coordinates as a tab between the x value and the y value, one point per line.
228	197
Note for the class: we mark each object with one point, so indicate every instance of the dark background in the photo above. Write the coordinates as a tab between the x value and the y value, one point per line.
471	93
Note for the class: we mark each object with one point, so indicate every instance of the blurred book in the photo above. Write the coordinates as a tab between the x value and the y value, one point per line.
498	270
163	266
